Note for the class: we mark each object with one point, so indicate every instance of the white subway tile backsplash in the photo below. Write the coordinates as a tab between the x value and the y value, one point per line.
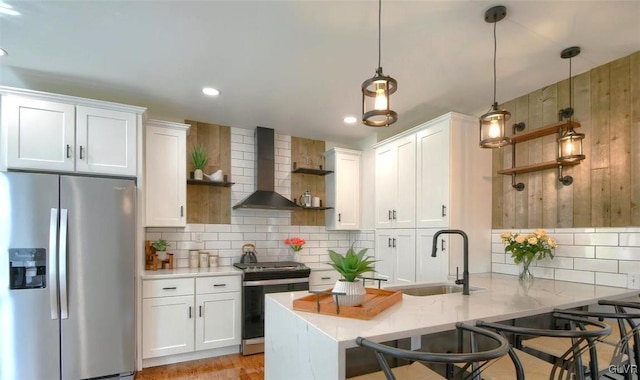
255	220
629	266
194	228
230	236
600	256
630	239
497	257
611	279
243	228
543	272
497	248
190	245
596	239
576	251
596	265
505	268
176	236
217	244
575	276
217	227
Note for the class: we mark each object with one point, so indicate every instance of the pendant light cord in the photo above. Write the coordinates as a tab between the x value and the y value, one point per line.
570	92
379	31
495	49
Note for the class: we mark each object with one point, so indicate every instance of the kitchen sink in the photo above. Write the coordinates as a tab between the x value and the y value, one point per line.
422	290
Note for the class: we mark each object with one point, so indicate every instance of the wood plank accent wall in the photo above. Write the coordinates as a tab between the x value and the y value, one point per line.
606	185
209	204
308	154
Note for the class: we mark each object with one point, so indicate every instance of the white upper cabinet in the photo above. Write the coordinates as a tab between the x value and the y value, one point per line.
40	134
105	141
51	132
166	174
396	183
432	159
343	189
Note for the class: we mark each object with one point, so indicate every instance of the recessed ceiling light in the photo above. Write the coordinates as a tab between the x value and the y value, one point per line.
3	52
210	91
8	9
350	119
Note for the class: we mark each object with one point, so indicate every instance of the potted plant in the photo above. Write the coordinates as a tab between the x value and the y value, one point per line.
350	266
199	159
160	246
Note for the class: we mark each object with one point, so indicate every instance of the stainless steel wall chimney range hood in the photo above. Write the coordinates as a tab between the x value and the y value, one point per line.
265	197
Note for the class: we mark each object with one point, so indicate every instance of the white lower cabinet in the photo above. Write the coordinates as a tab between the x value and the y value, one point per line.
396	255
186	315
168	326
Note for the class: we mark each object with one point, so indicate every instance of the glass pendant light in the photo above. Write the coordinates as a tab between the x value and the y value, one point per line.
570	142
492	123
376	92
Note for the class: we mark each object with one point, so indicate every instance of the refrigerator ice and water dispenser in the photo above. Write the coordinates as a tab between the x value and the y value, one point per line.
27	268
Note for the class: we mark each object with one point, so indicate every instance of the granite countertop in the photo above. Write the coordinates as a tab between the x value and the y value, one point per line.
502	298
190	272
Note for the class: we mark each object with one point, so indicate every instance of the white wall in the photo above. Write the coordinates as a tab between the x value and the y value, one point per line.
266	229
600	256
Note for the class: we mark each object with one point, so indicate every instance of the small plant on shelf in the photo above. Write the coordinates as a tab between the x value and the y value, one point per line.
160	246
199	159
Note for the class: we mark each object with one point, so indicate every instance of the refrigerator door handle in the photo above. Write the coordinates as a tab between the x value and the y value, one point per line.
64	308
53	259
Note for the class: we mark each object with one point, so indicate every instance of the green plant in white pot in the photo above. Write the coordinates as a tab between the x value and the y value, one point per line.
160	246
350	266
199	160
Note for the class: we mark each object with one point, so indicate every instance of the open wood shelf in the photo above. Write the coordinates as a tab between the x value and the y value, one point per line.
319	172
544	131
209	183
534	167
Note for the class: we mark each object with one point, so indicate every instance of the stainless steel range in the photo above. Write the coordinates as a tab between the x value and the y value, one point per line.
259	279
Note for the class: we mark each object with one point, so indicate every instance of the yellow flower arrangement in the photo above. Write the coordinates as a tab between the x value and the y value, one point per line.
525	248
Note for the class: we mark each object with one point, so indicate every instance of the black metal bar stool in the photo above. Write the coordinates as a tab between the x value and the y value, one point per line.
470	359
568	366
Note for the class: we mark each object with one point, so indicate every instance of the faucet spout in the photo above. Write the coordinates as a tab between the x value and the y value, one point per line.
465	272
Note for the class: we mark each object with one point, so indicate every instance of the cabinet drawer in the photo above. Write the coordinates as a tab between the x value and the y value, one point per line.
323	277
218	284
167	287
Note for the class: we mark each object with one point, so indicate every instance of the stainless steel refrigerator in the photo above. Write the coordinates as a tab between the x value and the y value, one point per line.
67	267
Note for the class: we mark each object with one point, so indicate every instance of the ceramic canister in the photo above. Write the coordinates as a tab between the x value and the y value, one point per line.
194	261
213	260
204	259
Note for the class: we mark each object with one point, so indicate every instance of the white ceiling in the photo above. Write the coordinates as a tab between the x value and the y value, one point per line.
297	66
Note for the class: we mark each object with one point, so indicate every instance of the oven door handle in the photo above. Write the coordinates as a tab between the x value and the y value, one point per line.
279	281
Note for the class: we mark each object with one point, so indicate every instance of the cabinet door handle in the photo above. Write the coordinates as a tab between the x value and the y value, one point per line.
189	312
169	288
389	244
442	245
444	210
81	152
325	278
339	217
68	151
219	285
394	242
181	211
200	310
394	215
390	215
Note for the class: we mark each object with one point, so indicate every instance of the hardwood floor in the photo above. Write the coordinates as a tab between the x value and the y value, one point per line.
228	367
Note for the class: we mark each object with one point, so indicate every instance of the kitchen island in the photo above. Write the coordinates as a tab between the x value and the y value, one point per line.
302	345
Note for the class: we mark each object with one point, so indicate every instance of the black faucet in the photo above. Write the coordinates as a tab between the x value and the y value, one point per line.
465	272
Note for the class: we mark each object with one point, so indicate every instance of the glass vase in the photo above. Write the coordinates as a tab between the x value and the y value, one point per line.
526	275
